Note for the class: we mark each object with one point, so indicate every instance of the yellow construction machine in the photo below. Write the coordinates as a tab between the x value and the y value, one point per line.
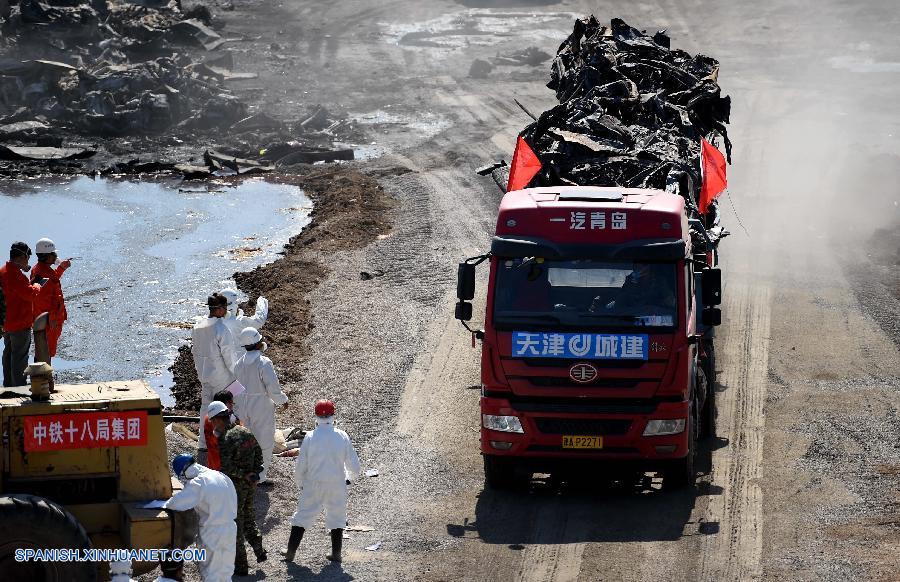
79	463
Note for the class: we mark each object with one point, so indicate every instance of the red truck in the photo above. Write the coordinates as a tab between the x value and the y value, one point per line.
597	347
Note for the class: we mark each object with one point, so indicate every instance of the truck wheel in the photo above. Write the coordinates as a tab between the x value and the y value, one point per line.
681	473
500	473
32	522
707	417
709	363
709	368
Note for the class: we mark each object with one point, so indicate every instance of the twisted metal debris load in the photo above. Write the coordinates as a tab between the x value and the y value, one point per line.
631	112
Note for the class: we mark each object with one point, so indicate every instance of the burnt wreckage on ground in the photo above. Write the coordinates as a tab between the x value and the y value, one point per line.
102	72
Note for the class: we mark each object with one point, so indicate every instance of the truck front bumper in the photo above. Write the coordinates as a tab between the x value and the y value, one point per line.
622	434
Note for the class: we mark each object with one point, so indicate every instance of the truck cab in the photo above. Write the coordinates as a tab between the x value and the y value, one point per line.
596	346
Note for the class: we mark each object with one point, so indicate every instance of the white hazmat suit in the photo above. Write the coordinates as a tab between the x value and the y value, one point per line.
325	462
237	321
214	358
212	494
255	406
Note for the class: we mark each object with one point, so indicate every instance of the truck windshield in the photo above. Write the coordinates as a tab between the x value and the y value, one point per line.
583	293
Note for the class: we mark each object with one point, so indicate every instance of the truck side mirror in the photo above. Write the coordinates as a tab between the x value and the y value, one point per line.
711	285
465	283
464	311
712	316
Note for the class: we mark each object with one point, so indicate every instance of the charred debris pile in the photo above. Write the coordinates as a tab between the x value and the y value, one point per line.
116	78
632	111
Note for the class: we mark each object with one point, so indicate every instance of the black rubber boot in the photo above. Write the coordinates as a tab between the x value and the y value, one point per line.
261	555
293	543
337	539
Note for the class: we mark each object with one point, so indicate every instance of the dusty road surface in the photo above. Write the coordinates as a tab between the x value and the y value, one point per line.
801	483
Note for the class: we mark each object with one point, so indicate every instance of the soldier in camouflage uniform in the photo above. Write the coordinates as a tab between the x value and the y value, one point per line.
242	461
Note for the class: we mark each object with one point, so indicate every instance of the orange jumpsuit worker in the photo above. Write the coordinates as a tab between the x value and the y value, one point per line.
50	299
213	461
19	295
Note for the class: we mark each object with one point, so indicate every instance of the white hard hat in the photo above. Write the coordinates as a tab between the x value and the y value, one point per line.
120	567
45	246
231	295
215	408
249	336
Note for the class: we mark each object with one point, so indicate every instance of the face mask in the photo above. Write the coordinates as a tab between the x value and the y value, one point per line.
26	268
191	472
264	347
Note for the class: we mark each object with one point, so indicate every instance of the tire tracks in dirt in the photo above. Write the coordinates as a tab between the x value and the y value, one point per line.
734	552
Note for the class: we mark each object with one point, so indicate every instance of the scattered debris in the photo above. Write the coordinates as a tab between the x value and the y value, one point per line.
373	547
199	32
192	172
257	122
371	472
362	528
480	69
531	56
43	153
306	155
184	431
223	163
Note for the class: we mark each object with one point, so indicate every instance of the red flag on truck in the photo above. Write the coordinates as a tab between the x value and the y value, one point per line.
525	164
712	166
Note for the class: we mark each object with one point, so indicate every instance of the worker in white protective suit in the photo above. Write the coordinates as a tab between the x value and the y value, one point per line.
255	406
235	318
120	571
213	495
215	354
326	465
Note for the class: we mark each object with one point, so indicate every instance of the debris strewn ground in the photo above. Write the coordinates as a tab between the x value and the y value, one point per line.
115	81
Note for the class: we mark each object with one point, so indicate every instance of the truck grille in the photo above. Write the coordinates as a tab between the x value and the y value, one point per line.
563	382
582	426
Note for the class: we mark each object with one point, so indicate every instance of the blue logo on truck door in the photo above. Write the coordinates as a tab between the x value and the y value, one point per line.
589	346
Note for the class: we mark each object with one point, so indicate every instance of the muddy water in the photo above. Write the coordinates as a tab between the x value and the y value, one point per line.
146	255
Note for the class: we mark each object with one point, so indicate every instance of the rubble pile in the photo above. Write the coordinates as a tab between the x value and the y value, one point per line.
631	112
115	70
136	82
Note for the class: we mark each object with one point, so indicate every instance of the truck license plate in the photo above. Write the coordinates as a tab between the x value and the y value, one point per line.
582	442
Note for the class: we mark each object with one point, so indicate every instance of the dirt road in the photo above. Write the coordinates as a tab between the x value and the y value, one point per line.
800	484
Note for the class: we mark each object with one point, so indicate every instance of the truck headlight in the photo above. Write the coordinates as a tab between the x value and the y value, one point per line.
502	423
662	427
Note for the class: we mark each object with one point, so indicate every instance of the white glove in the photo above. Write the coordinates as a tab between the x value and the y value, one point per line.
262	307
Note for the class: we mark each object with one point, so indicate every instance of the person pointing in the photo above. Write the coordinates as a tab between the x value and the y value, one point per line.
50	299
235	318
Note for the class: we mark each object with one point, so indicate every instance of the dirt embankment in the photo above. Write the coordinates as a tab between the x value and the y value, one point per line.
350	210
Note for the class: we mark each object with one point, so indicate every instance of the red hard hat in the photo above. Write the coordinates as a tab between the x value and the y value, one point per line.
324	408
